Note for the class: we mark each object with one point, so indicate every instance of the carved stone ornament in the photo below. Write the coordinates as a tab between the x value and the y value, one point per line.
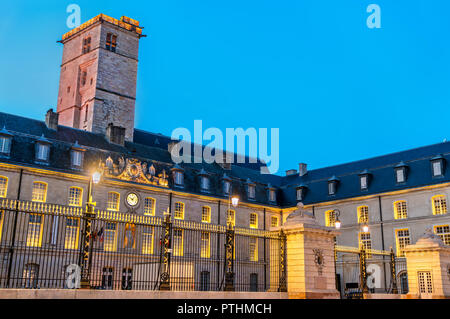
318	259
132	169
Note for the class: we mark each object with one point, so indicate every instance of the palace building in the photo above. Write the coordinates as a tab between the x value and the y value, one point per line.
382	202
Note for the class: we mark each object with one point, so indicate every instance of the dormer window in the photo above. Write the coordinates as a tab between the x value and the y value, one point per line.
178	176
205	183
364	180
400	173
300	192
5	142
272	193
272	196
251	189
76	156
437	166
332	185
42	149
226	185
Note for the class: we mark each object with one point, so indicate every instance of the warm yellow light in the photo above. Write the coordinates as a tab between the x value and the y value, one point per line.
96	177
365	228
235	201
337	224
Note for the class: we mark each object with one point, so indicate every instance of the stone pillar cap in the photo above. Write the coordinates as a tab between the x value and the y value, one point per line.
300	216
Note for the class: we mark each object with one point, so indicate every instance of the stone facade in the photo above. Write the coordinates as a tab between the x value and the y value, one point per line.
99	87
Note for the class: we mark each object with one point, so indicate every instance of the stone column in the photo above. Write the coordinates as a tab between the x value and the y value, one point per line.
428	266
310	257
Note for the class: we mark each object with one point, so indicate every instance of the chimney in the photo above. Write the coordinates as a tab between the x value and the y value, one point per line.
51	120
302	169
115	134
291	172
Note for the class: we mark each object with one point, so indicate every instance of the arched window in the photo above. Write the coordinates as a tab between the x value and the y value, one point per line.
3	186
113	201
330	218
75	196
363	214
400	209
149	206
39	193
439	203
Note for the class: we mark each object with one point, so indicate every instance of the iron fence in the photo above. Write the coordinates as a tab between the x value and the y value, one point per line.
361	271
50	246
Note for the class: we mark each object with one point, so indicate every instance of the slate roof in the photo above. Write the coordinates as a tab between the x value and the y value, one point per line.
153	149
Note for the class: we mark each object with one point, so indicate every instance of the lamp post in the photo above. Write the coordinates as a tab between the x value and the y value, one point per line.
229	247
88	216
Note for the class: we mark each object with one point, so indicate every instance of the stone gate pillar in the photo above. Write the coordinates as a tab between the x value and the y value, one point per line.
428	266
310	257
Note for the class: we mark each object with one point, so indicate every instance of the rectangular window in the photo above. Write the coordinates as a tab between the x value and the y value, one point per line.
5	144
251	191
179	210
86	45
439	205
331	188
76	157
42	152
111	42
403	240
75	196
299	193
400	210
3	186
226	187
253	220
437	168
366	243
127	278
205	183
363	182
443	231
147	240
149	206
178	178
205	245
206	214
110	242
231	217
425	282
330	218
253	282
83	78
39	193
400	173
113	201
272	196
204	280
72	233
274	221
363	214
177	242
253	247
34	234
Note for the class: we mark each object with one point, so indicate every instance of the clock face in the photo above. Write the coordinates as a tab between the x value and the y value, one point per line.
132	199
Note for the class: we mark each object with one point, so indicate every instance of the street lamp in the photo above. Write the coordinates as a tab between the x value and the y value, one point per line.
365	228
337	222
88	216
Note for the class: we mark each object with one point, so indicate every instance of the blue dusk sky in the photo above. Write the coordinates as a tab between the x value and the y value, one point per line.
337	90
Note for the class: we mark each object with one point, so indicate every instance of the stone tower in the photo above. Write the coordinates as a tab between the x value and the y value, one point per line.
97	84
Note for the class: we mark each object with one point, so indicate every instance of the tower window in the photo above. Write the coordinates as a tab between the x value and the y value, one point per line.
86	45
111	42
83	78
